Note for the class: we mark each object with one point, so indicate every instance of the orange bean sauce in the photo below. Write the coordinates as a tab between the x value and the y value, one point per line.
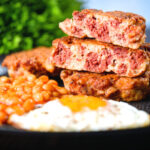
20	95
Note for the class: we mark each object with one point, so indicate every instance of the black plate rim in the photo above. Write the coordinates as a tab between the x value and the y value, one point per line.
129	131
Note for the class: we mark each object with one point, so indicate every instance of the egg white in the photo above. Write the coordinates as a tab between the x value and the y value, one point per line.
53	116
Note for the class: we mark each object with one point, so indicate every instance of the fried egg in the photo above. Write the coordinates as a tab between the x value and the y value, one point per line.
80	114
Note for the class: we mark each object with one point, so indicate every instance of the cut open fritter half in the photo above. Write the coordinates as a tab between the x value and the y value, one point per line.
116	27
94	56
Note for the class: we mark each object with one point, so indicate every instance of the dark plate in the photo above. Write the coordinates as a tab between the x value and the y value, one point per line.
11	138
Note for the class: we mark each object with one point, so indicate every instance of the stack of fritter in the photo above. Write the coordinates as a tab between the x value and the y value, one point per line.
117	67
104	53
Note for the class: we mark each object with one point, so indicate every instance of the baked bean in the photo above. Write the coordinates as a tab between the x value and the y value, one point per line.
4	79
55	94
52	82
25	97
28	105
27	89
46	95
2	107
61	90
3	117
18	109
38	97
48	87
39	82
31	77
36	89
44	79
9	110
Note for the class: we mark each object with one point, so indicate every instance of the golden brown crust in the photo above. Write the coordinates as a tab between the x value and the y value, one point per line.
145	46
34	61
116	14
107	85
77	41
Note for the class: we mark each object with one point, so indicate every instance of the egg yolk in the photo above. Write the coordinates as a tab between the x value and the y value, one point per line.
77	103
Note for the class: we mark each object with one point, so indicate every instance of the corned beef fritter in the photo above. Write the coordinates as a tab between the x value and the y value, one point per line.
116	27
107	85
94	56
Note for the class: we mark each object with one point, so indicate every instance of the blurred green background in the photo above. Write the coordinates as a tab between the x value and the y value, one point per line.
25	24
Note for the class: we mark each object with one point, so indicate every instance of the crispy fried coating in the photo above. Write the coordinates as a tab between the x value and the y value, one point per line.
106	85
36	61
145	46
